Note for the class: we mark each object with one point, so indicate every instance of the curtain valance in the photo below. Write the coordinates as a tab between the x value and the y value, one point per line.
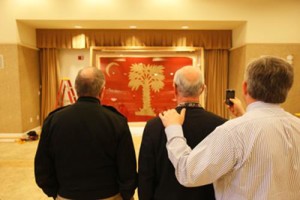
83	38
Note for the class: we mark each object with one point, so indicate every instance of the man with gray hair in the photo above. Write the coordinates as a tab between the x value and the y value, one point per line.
156	174
254	156
86	150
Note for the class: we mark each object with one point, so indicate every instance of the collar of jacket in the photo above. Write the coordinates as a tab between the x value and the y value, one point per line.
88	99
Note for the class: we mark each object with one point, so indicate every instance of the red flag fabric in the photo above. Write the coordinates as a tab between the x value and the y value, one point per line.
140	87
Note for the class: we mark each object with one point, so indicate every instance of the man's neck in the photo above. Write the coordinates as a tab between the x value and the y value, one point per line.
249	100
187	100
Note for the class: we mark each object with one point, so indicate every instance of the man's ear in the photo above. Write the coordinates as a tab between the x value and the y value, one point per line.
202	88
175	90
244	86
101	93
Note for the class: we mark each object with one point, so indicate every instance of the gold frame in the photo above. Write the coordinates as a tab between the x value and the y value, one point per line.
98	50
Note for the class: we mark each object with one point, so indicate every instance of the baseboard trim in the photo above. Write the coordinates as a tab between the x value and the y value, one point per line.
11	137
7	140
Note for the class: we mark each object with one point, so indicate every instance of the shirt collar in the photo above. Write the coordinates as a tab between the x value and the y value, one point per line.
261	104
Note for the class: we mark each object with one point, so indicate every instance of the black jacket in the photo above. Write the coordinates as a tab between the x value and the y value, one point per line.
86	152
156	173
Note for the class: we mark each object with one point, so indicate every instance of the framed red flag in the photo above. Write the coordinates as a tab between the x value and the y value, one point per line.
139	81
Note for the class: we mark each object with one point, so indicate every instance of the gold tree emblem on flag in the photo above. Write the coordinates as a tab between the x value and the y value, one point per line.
149	77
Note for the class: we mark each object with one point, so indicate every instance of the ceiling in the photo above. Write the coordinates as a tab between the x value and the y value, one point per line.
127	24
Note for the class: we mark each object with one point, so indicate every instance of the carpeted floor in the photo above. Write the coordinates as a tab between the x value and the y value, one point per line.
16	171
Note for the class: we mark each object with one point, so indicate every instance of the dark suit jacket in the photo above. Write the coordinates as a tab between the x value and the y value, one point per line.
86	152
156	173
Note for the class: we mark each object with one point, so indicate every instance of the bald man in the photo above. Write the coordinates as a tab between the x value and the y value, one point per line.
86	150
156	174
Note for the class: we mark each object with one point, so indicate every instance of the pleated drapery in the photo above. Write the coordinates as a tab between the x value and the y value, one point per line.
50	80
70	39
216	78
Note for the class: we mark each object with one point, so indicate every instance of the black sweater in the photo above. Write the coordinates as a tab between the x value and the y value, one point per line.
86	152
157	180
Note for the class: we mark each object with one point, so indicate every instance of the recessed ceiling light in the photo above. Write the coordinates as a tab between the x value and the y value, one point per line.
185	27
132	27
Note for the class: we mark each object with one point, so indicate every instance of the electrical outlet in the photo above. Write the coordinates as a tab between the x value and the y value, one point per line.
80	57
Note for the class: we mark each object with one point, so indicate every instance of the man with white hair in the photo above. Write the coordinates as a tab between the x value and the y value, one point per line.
156	174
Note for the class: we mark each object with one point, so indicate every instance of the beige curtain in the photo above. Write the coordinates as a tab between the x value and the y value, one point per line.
208	39
50	80
216	78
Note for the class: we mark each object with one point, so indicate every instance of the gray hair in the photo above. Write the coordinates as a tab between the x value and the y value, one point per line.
89	82
189	81
269	79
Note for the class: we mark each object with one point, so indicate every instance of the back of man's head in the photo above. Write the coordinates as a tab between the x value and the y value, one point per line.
188	81
269	79
89	82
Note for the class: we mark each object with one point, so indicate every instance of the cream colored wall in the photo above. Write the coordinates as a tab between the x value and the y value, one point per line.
9	31
268	21
239	35
26	35
241	56
69	63
273	22
30	87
